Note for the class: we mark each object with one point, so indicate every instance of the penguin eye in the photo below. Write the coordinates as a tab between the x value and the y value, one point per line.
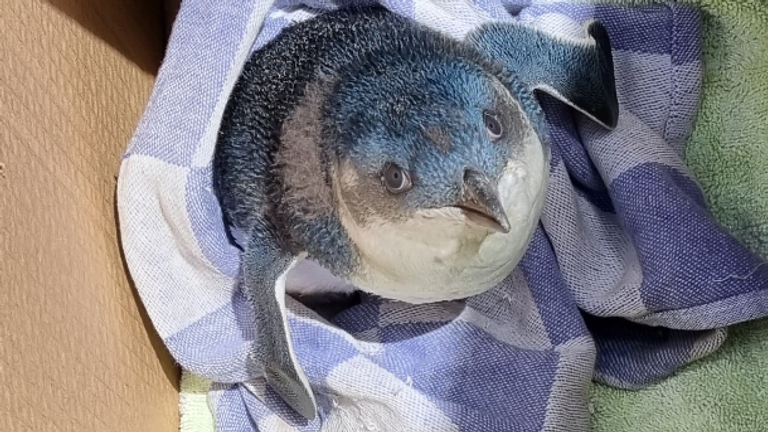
396	179
492	125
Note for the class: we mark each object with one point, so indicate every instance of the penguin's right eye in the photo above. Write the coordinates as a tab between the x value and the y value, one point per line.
396	179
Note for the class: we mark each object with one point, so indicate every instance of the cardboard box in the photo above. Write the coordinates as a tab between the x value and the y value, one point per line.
77	351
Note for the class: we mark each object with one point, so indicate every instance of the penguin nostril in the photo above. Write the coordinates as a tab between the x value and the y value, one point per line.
469	173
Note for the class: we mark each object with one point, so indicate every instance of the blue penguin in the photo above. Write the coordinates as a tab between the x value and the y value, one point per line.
411	165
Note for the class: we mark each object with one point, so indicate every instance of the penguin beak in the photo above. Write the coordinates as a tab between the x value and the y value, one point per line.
480	203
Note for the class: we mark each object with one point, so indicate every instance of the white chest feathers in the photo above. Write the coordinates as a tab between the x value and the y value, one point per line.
437	255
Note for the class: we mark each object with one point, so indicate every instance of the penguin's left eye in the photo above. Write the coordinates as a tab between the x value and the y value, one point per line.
396	179
492	125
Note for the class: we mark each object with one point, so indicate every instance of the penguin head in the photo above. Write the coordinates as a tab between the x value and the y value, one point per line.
428	134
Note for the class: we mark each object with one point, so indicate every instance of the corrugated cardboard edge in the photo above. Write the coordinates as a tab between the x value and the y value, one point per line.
77	352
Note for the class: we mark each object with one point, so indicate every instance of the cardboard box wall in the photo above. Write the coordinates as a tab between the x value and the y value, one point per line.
77	351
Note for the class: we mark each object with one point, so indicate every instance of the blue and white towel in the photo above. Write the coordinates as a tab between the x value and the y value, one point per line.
627	278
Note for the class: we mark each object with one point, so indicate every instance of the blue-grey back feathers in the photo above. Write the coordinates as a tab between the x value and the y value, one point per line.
578	72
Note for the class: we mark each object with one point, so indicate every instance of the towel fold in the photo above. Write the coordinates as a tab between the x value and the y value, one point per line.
628	277
727	151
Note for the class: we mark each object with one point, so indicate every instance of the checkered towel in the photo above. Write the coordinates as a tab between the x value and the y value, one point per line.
627	278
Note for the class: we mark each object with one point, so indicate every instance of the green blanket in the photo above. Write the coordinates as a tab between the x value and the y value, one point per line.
728	152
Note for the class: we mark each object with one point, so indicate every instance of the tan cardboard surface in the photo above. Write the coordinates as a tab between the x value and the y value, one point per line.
77	353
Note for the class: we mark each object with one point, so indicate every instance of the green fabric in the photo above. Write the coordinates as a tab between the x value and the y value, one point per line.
728	153
727	391
195	412
728	150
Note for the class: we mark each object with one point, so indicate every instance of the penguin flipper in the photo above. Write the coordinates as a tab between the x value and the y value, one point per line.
265	265
576	70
